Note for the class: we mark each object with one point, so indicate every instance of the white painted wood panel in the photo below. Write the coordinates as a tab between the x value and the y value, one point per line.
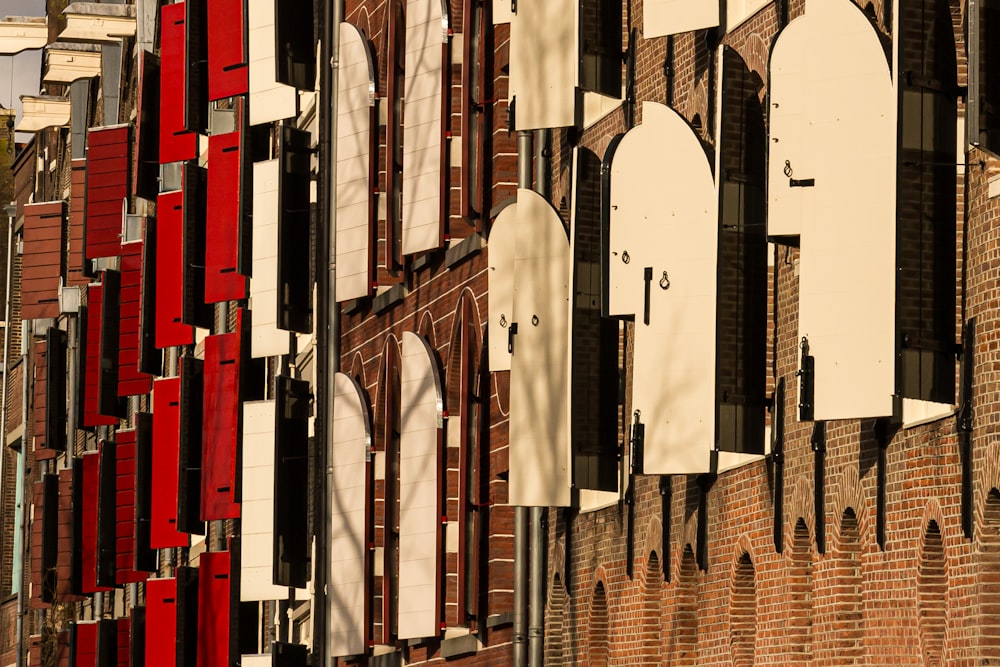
540	375
269	100
356	89
500	258
426	33
257	507
834	120
67	65
502	12
667	219
22	34
266	339
41	111
544	63
670	17
421	421
260	660
349	453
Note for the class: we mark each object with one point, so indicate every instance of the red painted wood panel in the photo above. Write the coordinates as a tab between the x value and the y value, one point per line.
221	431
123	631
161	623
85	650
41	267
91	361
125	520
38	392
64	558
88	523
227	49
214	609
225	266
38	500
77	206
166	451
176	143
107	188
131	381
170	329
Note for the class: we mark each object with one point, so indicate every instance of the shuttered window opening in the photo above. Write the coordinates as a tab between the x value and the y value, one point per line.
67	555
44	238
349	551
269	100
477	115
221	431
131	381
196	66
544	63
145	554
187	615
137	636
266	339
91	321
170	329
741	345
424	147
214	610
107	511
291	494
257	519
295	44
161	637
125	509
109	402
176	143
295	298
670	17
164	530
194	310
227	50
925	231
539	402
189	446
983	117
661	259
421	487
227	200
356	163
601	43
77	265
150	361
90	523
503	235
48	515
50	395
385	587
146	164
284	654
107	189
832	178
392	258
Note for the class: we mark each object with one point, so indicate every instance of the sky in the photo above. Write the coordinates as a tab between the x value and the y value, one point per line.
19	75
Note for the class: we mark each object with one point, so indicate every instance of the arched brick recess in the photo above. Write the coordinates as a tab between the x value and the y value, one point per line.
682	638
652	619
989	573
799	504
849	604
743	612
426	328
555	623
798	647
598	630
654	539
357	370
932	590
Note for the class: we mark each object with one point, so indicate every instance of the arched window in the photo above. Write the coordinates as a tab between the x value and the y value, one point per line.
743	613
386	497
395	77
849	604
932	591
477	115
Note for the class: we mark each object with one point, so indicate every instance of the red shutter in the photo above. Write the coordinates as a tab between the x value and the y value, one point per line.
77	206
166	451
44	240
84	641
123	631
170	330
125	519
161	623
131	381
91	361
176	143
214	609
88	523
221	432
39	387
107	189
227	49
225	266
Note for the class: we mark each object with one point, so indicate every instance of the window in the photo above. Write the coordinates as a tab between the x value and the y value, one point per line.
387	521
477	116
984	75
396	58
601	46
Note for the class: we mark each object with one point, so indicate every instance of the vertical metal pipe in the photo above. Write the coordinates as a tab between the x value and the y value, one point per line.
543	163
520	658
536	607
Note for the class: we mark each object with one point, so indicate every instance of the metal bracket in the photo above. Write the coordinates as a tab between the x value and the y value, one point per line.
511	332
806	375
801	182
647	276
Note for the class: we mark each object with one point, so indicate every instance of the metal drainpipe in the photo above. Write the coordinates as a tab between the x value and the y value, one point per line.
524	142
327	329
23	466
536	605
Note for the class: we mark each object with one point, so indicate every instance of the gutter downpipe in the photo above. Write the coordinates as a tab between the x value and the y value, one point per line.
22	459
524	142
19	622
536	606
327	331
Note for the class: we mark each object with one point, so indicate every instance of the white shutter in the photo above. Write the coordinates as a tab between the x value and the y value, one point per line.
501	285
540	375
266	339
834	120
348	550
667	220
421	420
257	506
670	17
354	186
269	100
22	34
422	91
544	63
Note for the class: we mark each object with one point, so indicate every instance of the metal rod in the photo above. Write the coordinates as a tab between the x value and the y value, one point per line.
536	608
